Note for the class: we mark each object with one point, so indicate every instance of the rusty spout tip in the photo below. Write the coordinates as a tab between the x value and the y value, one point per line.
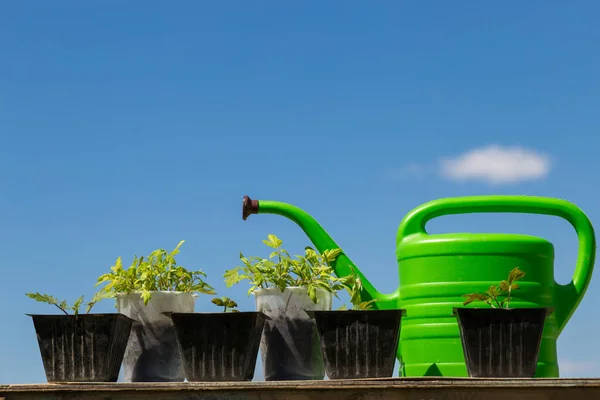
249	206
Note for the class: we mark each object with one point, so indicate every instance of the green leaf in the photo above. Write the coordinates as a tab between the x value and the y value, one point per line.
312	293
331	255
146	295
98	296
231	304
232	277
217	302
77	304
275	240
493	291
43	298
366	305
176	250
471	297
515	275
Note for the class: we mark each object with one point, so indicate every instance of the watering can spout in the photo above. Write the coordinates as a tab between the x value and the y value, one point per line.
342	266
249	207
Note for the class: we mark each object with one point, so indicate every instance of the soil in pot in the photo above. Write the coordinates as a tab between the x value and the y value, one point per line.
219	346
359	343
82	348
501	343
152	354
290	346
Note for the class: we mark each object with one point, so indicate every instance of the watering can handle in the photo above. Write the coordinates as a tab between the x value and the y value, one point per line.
569	295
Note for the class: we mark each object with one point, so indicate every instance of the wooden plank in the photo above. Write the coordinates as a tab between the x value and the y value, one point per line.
380	389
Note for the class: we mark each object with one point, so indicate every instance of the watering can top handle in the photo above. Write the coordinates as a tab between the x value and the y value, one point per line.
415	220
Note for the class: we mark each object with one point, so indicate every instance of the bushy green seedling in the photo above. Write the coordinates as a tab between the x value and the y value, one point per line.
157	272
280	270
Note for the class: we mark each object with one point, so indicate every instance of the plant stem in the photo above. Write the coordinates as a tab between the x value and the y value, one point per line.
62	309
497	302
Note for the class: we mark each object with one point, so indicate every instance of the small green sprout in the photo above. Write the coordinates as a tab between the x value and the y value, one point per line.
226	303
353	285
64	307
491	296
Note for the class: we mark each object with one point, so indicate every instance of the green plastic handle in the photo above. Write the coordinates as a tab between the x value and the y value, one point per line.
569	295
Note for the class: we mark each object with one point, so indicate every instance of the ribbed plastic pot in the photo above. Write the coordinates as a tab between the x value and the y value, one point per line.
82	348
218	346
152	354
501	343
290	346
359	343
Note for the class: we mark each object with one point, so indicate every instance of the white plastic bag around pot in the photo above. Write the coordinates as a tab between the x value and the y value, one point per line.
290	346
152	353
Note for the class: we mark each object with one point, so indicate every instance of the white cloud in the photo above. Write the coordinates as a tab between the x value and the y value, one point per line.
577	369
497	165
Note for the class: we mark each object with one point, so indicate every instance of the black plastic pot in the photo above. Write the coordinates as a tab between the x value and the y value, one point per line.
82	348
218	346
359	343
501	343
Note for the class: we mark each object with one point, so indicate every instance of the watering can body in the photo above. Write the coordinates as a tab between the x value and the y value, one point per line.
436	270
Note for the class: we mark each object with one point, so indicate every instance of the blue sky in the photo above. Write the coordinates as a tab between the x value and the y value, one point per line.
128	126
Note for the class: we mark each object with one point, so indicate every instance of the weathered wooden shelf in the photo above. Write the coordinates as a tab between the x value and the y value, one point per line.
380	389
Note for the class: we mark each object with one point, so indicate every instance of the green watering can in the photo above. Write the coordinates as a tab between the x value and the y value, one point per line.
436	270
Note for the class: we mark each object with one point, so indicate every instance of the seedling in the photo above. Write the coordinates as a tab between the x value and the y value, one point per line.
280	270
64	307
157	272
491	296
353	285
226	303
